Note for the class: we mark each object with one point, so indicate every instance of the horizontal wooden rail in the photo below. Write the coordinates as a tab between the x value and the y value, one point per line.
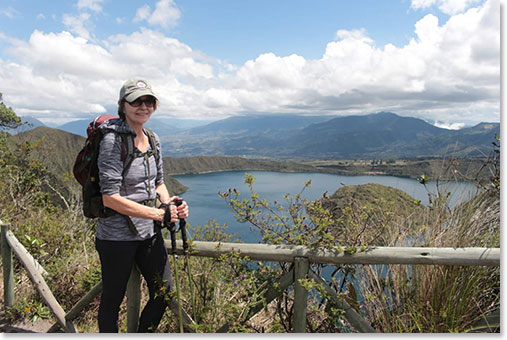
373	255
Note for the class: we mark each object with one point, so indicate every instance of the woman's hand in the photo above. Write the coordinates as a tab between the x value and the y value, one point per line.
159	215
174	213
182	210
162	211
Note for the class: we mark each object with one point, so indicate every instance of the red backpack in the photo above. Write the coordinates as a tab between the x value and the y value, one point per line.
86	171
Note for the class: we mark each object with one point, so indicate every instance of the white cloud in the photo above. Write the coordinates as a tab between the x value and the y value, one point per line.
60	74
81	22
449	126
422	4
150	51
61	54
94	5
69	75
9	12
359	34
219	98
165	15
76	24
450	7
142	13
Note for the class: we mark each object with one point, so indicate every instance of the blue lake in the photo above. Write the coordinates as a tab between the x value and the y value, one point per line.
205	204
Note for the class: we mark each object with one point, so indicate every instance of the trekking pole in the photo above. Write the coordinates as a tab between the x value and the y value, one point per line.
183	224
172	230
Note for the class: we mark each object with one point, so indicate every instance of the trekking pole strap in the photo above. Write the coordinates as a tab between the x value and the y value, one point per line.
163	206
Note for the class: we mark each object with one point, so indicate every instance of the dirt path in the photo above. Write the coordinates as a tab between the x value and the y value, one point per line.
20	326
40	326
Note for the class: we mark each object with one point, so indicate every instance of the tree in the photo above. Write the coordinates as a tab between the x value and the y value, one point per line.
8	118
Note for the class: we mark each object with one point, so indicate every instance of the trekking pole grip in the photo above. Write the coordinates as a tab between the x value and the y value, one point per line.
183	224
172	229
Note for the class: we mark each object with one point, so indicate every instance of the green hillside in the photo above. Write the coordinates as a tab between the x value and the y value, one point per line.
381	196
204	164
435	168
58	150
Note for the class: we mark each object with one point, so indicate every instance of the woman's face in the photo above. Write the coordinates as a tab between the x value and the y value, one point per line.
139	111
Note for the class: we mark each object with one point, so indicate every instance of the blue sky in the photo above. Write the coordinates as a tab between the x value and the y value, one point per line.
434	59
235	31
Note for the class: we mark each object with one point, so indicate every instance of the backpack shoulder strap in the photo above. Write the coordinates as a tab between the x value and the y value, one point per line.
153	143
127	150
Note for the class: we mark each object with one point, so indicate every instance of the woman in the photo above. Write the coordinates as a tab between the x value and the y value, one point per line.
130	238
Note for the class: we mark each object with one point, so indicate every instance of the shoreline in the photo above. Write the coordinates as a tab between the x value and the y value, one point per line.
319	171
463	170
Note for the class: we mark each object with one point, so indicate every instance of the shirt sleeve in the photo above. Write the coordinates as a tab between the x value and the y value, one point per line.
110	165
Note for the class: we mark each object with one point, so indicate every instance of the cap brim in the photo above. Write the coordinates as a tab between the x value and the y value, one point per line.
139	93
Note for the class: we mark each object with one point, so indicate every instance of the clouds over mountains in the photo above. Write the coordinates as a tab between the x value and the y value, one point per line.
449	71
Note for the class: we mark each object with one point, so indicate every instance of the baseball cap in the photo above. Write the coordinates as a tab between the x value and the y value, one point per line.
135	88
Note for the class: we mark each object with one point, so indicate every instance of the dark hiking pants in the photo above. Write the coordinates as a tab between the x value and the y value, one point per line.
117	259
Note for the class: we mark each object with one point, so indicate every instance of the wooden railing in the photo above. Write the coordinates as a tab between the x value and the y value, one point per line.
302	258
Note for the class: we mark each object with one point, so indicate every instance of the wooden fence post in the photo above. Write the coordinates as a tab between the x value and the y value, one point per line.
133	300
301	266
35	274
8	269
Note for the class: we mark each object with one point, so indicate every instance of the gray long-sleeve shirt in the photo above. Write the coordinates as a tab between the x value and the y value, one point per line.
136	184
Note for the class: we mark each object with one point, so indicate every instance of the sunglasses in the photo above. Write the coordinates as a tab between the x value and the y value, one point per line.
149	102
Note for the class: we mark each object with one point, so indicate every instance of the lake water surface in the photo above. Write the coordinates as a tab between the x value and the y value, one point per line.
205	204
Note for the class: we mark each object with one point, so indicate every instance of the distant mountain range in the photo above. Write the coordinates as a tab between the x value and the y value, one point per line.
256	125
381	135
162	126
78	127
